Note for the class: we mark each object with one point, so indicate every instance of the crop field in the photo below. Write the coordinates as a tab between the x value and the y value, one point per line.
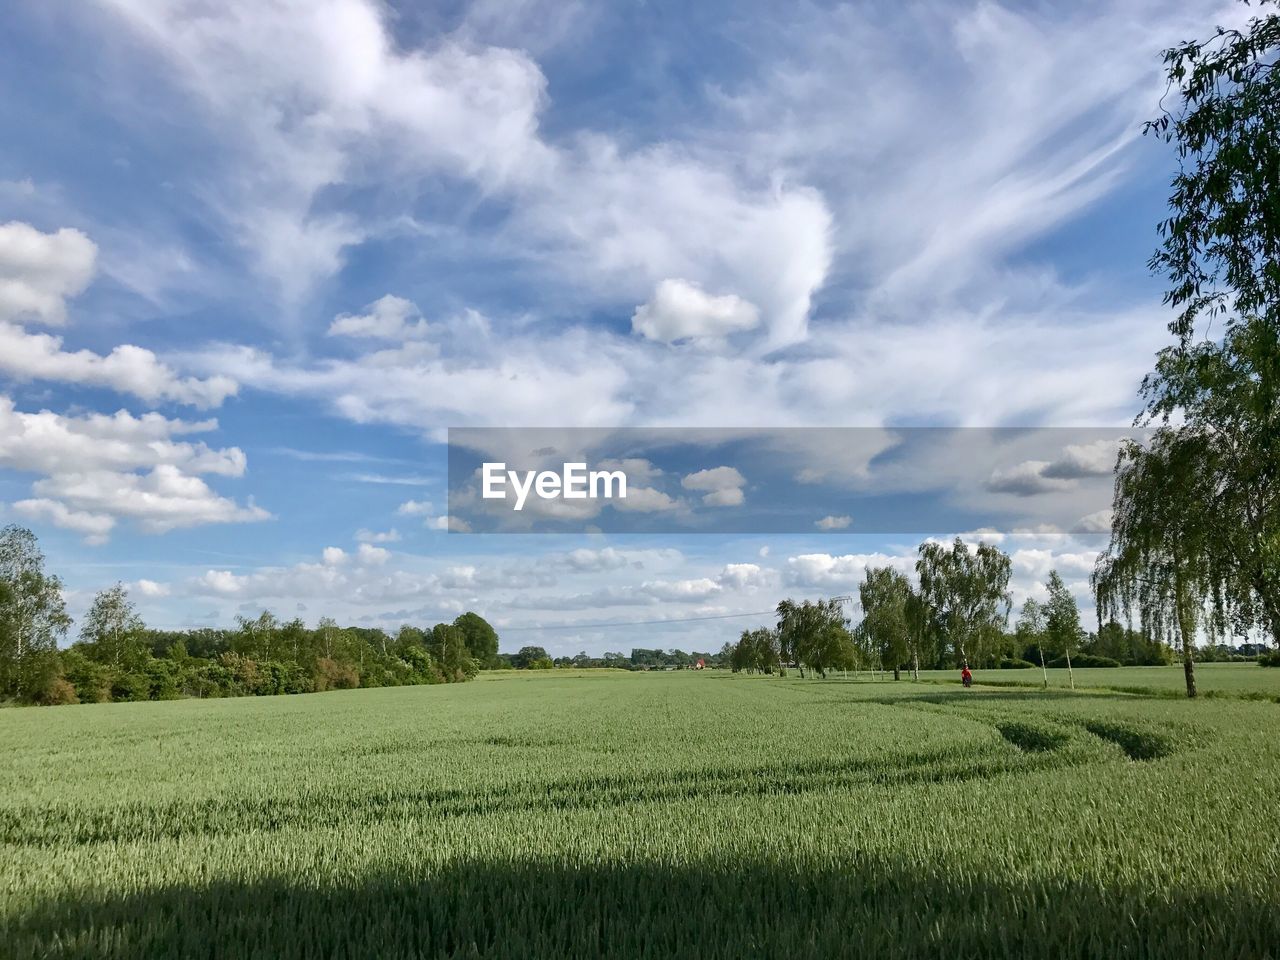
1212	679
644	815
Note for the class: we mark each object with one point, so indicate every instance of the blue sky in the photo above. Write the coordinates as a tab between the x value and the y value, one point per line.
256	258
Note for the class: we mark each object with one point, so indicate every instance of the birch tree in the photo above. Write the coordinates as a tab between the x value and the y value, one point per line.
33	616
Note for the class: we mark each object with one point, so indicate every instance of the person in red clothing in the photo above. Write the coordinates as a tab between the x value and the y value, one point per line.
965	676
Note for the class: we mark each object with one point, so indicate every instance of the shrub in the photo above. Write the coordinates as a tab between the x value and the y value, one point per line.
331	675
1271	659
1014	663
91	681
1085	660
162	679
57	691
126	685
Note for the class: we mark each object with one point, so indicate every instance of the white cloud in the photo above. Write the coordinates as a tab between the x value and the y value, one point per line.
39	272
96	527
370	555
825	571
681	591
833	523
150	588
388	319
374	536
645	500
98	468
680	310
608	558
1094	459
126	369
723	486
357	108
745	576
1097	522
363	110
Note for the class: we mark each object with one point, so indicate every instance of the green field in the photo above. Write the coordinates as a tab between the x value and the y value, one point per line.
1212	679
629	815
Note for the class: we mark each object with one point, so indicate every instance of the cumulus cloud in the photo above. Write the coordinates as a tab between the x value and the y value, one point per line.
680	310
39	272
150	588
745	576
681	591
645	500
1096	522
387	319
97	469
723	486
833	523
827	571
126	369
370	555
374	536
1095	459
586	559
96	527
1077	462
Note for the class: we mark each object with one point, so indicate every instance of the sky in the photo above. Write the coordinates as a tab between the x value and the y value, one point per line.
258	257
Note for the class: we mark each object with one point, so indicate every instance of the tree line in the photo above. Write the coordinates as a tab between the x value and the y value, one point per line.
116	657
957	612
640	658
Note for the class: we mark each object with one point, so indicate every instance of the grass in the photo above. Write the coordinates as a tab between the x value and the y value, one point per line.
580	814
1244	680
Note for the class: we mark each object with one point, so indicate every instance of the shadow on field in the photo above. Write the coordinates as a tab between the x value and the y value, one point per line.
871	908
209	816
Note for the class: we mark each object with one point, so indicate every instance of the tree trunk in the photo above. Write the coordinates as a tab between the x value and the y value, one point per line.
1070	675
915	665
1186	630
897	672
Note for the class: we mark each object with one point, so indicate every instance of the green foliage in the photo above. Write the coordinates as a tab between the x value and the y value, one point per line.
1127	646
757	651
813	634
885	595
525	656
1217	537
1221	243
112	631
481	639
966	595
32	617
1271	659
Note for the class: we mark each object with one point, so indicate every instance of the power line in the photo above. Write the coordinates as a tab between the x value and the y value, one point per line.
638	623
